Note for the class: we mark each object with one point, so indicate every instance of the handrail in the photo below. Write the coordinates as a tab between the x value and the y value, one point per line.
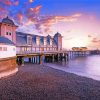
30	52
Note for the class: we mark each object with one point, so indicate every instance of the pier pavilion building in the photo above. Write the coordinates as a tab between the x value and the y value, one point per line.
29	43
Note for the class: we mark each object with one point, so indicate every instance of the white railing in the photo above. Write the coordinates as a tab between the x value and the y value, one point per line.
35	52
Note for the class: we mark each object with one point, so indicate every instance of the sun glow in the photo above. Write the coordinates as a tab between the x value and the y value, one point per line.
76	42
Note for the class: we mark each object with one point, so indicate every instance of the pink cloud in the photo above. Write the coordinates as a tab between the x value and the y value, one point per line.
45	22
7	2
16	2
19	18
30	0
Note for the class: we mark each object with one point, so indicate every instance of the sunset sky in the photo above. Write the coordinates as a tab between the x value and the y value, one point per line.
77	20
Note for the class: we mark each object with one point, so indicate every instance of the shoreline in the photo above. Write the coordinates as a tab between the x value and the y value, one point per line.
86	75
37	82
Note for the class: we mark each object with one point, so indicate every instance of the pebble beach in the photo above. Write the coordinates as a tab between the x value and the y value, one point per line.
37	82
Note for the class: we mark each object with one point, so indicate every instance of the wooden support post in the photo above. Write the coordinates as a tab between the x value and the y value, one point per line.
29	60
44	58
17	61
52	57
33	59
67	57
21	61
36	60
57	57
40	59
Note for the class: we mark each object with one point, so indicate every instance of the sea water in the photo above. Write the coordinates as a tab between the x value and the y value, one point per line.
88	66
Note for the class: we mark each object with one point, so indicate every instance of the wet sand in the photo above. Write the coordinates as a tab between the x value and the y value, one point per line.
36	82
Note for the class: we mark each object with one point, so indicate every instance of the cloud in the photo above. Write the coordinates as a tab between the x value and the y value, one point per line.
28	15
89	36
5	8
7	2
30	0
19	18
32	13
45	22
1	10
70	38
16	2
77	15
95	40
36	9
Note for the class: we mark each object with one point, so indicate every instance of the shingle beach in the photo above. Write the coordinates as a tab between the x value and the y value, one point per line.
37	82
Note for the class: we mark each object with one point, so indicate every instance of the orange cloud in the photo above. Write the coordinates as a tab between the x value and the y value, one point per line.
19	18
7	2
31	14
30	0
36	9
77	15
45	22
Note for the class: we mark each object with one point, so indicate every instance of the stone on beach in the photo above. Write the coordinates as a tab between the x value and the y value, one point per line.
37	82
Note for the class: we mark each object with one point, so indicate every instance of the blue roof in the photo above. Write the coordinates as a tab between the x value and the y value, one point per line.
21	34
5	40
21	40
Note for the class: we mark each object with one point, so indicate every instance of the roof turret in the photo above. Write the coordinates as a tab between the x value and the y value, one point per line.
7	21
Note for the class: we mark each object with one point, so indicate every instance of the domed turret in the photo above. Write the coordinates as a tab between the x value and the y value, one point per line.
58	34
8	29
8	21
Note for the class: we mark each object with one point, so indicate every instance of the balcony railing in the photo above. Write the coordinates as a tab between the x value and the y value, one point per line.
36	52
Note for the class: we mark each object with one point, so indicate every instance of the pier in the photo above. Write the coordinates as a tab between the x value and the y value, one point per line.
39	49
48	57
42	57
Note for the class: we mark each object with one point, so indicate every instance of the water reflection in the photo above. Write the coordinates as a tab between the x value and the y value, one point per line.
86	66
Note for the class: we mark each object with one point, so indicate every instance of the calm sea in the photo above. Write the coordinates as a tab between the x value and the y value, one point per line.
84	66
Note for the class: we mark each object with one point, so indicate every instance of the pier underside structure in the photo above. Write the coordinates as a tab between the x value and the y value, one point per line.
42	57
48	57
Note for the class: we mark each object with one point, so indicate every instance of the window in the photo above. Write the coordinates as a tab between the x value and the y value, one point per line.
9	33
6	33
0	48
45	41
37	40
29	40
4	48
